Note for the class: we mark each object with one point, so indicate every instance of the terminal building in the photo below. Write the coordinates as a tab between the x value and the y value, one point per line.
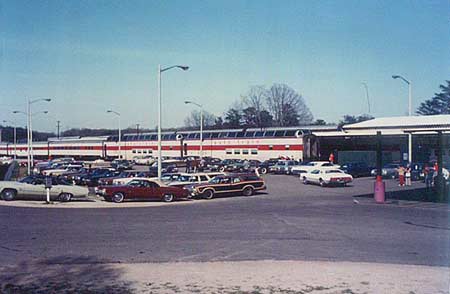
357	142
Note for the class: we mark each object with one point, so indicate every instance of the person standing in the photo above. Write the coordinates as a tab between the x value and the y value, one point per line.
428	174
401	176
331	158
408	175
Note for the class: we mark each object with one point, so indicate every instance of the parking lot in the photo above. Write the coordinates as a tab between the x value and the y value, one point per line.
289	221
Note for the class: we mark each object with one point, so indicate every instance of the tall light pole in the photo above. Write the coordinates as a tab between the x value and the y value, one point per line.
201	124
30	102
409	113
120	131
367	94
15	137
29	136
160	71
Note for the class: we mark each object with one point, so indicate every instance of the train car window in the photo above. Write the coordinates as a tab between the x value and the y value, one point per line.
269	134
223	134
240	134
206	135
245	151
231	135
287	147
154	137
259	134
147	137
173	137
249	134
215	135
237	151
254	151
134	138
191	136
166	137
289	133
228	151
279	133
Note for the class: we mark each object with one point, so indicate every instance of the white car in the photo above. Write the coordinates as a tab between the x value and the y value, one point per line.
196	178
10	190
61	171
310	166
326	177
144	160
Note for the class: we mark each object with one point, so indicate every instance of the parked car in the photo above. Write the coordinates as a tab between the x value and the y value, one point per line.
265	166
212	164
92	180
62	169
144	160
166	167
356	169
140	189
121	164
284	167
61	190
197	178
310	166
388	171
327	177
124	174
227	164
234	183
80	178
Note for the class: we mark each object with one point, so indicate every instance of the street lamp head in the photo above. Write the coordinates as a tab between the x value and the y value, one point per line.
45	112
16	111
183	67
108	111
48	99
395	76
187	102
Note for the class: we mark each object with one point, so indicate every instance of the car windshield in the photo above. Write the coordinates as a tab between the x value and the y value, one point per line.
332	171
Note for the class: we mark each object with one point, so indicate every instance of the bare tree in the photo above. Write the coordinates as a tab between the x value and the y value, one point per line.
254	100
287	106
193	119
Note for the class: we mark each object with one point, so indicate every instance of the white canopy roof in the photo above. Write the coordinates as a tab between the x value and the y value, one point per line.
402	122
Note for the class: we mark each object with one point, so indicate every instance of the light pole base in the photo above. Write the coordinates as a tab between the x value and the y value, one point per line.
379	190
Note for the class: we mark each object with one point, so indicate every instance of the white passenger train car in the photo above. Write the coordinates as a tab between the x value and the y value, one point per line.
260	144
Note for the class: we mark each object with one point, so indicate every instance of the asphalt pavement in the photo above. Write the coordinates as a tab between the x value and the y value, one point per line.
290	221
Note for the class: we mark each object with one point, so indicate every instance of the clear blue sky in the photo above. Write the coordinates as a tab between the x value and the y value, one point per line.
89	56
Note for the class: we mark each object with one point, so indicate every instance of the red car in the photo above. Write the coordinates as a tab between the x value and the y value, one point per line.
142	189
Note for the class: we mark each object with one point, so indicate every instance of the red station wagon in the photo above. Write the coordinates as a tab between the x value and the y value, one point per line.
141	189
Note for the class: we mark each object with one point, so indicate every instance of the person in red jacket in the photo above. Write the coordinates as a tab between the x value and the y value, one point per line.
331	158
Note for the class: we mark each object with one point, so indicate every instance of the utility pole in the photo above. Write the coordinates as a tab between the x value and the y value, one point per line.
58	124
137	129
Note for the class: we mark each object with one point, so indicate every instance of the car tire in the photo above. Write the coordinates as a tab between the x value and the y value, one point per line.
248	191
65	197
118	197
263	170
168	197
9	194
208	194
322	183
305	181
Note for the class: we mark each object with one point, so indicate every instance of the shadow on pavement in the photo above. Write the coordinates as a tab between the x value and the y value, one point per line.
63	274
418	194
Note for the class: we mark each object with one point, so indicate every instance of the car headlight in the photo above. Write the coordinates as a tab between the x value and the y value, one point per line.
384	172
